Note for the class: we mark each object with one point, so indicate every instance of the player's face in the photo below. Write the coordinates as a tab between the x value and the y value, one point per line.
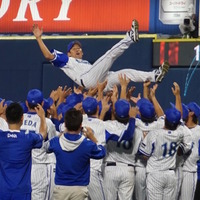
76	52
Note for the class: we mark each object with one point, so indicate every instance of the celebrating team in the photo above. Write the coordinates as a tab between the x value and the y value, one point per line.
94	142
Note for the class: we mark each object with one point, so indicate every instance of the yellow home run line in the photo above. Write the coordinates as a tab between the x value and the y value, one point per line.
31	37
178	40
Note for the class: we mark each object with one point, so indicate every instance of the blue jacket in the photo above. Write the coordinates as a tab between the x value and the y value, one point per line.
73	153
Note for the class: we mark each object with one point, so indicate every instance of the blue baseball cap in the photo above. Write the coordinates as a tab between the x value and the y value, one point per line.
23	105
34	96
59	108
74	98
7	102
122	107
47	103
185	111
173	115
65	108
194	107
71	44
89	105
147	110
141	101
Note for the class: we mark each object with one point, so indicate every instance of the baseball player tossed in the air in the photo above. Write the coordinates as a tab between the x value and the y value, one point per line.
85	74
161	148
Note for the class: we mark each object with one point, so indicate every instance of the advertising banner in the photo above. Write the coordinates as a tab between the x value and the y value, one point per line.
65	16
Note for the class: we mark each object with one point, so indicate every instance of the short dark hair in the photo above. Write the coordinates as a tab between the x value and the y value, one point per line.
32	106
73	119
123	120
171	126
148	120
14	113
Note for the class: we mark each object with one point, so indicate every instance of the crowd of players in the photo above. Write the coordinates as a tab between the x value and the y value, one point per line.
150	153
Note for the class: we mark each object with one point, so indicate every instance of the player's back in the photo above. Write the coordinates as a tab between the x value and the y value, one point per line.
31	123
97	126
190	163
163	145
15	160
117	150
141	130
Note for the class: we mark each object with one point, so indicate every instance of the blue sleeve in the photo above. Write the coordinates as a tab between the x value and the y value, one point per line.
60	59
37	139
56	122
128	133
98	152
50	145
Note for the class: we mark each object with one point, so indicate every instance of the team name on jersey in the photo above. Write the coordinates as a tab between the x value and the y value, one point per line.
9	135
30	123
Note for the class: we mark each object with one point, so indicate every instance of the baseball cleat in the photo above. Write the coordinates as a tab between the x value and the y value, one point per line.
160	73
133	33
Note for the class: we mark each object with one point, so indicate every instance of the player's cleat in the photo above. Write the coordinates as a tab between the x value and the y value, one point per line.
160	73
133	33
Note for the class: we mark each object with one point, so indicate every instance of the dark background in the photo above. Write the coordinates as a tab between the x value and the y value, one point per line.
23	67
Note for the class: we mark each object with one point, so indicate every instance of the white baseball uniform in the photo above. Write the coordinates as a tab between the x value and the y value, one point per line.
3	124
179	165
119	162
85	74
39	178
141	131
161	148
96	187
190	167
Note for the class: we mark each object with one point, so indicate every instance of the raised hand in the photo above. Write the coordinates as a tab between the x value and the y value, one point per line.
37	31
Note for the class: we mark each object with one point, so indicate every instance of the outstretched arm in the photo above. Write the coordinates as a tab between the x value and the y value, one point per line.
158	109
38	35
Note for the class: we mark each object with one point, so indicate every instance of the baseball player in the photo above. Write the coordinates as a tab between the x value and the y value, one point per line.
190	164
160	147
73	153
120	159
85	74
40	160
147	122
95	187
15	153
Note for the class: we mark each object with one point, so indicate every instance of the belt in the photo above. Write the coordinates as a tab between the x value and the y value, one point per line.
82	83
115	164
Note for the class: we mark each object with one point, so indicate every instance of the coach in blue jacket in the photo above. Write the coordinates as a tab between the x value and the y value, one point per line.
73	151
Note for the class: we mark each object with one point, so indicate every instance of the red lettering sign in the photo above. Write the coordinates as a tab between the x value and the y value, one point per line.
18	16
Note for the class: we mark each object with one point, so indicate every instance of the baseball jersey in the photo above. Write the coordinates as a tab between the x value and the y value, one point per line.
3	124
73	67
31	123
15	160
119	148
161	148
98	128
141	130
190	163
